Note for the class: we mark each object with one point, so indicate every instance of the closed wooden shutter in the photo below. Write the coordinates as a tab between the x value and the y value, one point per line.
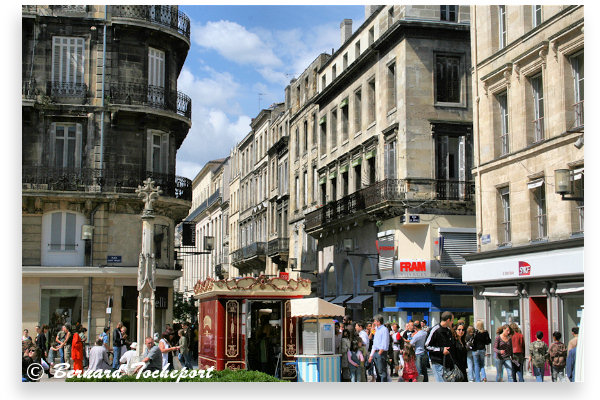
56	231
149	151
455	246
164	153
67	59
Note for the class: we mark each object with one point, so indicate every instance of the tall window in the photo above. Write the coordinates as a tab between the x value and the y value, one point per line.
537	89
504	233
344	112
323	81
305	136
65	146
577	63
62	231
315	180
447	79
357	175
315	129
390	159
536	13
305	188
390	16
357	111
448	13
323	125
502	26
357	50
68	56
297	192
344	177
503	104
371	35
577	218
297	140
157	152
391	86
539	223
345	61
333	128
156	76
333	73
371	99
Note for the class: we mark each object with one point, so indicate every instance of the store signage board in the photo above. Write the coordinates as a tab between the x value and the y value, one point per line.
525	266
409	268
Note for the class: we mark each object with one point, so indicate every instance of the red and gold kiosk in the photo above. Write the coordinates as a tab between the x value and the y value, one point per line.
246	323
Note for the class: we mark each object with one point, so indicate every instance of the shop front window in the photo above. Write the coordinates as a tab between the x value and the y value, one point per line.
503	311
60	307
572	310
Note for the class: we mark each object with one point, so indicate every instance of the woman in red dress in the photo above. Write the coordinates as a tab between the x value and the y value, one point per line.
77	353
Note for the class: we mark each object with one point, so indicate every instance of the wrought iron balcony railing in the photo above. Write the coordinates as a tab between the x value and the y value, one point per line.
236	256
29	90
151	96
66	89
119	180
279	245
390	190
167	16
29	9
70	8
254	249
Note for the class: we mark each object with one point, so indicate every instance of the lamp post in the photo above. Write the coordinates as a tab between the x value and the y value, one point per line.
146	284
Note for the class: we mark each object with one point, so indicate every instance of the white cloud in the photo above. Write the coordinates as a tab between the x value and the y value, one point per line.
235	43
217	122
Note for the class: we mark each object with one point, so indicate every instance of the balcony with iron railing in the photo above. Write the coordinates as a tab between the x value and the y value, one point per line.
167	16
151	96
278	246
110	180
383	193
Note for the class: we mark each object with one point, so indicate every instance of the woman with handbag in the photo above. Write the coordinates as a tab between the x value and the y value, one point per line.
459	353
503	349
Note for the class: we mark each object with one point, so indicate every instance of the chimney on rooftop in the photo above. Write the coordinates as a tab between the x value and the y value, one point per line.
346	28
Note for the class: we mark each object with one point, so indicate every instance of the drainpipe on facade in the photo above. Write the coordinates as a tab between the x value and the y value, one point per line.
102	100
89	316
476	124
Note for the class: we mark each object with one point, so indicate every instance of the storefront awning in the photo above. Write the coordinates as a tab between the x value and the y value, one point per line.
565	288
329	298
359	299
341	299
314	307
510	291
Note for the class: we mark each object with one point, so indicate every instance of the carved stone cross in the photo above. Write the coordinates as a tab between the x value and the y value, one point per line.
149	194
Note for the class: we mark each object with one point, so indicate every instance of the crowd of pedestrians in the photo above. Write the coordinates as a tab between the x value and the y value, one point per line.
451	351
172	349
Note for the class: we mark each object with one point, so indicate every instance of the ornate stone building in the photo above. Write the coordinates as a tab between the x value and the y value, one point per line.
394	156
528	87
101	113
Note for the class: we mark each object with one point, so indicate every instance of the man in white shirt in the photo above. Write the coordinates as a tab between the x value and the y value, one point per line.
360	328
396	341
126	359
381	342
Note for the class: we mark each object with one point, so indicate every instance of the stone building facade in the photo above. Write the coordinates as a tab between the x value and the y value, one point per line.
101	113
394	156
528	123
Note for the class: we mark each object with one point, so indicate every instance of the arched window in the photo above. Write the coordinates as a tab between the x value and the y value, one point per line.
331	281
347	279
365	270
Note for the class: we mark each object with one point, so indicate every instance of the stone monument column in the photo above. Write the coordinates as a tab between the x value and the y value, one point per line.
146	284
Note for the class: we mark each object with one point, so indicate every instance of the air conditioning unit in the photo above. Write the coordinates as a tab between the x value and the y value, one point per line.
326	336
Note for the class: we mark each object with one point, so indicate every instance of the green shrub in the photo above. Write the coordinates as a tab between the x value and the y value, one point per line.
216	376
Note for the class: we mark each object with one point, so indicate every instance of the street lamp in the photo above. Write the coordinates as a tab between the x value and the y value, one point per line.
563	184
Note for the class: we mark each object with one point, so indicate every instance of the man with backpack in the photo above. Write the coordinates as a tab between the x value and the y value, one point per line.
538	355
558	358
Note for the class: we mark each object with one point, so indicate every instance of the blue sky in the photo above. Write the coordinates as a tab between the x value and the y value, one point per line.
238	52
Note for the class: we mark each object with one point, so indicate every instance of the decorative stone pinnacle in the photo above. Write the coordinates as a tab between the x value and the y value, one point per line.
149	194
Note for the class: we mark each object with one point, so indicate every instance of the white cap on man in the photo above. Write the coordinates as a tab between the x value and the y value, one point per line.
133	345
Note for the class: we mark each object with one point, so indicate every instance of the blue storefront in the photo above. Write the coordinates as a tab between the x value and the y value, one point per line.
424	298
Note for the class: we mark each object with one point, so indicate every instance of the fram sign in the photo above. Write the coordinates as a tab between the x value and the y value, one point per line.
413	266
524	268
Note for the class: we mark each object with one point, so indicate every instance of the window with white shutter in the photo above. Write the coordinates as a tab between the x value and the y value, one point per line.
156	76
62	232
457	243
68	58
